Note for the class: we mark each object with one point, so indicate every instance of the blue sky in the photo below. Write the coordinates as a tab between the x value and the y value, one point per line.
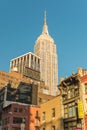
21	23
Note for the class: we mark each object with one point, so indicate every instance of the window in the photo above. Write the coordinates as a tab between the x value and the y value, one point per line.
53	128
17	120
2	97
69	110
86	100
36	114
69	96
71	125
20	109
37	123
72	111
76	92
16	128
40	99
72	93
5	121
5	128
85	88
15	109
66	113
53	112
43	116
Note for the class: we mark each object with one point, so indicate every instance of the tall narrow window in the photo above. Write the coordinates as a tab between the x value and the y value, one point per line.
85	88
36	114
53	112
37	119
53	128
43	116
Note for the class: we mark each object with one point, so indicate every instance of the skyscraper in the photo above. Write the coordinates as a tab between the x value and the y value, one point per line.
45	48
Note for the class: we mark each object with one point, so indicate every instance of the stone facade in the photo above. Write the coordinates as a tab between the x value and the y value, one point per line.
74	100
70	92
27	65
31	74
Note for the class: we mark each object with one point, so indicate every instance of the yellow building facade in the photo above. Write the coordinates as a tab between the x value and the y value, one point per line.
51	114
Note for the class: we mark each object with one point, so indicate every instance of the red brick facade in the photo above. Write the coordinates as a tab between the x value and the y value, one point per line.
85	122
20	117
84	82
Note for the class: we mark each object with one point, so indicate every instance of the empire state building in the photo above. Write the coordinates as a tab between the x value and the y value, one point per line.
45	48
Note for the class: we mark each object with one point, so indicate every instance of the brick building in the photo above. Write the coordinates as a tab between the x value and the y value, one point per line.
25	93
17	87
84	98
17	116
15	78
51	114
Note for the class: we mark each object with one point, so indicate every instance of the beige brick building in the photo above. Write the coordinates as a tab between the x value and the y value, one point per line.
14	78
45	48
51	114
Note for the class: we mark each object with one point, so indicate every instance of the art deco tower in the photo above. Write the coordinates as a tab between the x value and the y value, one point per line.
45	48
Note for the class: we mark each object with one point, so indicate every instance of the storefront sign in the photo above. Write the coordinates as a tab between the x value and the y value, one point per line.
80	110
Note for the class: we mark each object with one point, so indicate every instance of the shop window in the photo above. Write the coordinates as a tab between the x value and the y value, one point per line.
71	125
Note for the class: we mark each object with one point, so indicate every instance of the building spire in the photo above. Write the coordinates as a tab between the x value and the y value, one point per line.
45	27
45	17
